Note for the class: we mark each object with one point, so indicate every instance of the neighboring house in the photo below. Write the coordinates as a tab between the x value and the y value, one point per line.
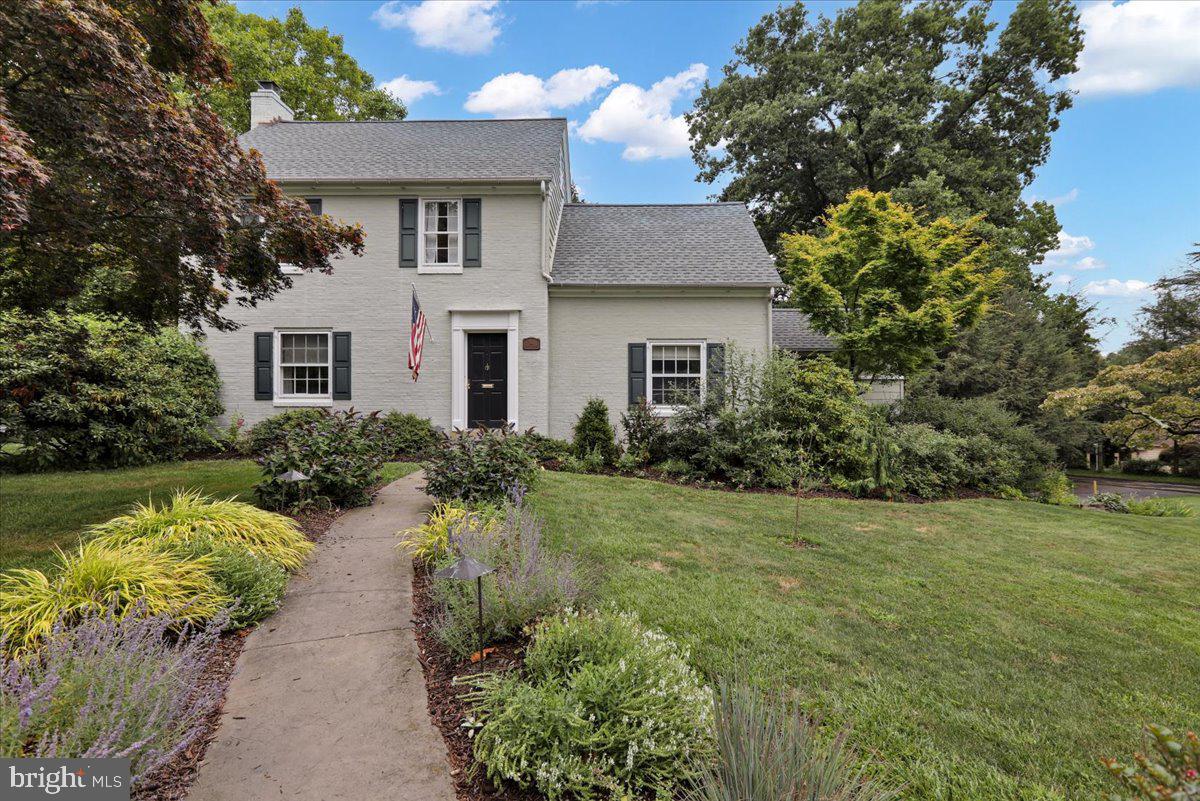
792	331
534	304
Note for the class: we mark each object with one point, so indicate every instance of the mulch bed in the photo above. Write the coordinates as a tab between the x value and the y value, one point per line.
173	780
446	707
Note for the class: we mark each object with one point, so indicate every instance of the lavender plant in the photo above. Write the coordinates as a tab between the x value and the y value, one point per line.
529	580
110	687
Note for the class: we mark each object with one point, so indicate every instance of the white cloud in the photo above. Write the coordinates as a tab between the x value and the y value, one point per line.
461	26
641	119
1138	47
1062	279
1112	288
409	90
518	94
1070	246
1062	200
1089	263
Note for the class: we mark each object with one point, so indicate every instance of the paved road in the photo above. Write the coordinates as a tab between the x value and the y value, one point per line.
1133	489
328	701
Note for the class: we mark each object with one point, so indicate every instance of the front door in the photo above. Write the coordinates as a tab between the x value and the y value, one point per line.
487	380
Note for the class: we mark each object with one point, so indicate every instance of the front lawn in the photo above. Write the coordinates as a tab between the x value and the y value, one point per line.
981	649
41	510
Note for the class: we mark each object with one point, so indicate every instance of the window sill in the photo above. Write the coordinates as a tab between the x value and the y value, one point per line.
666	411
439	269
303	402
291	269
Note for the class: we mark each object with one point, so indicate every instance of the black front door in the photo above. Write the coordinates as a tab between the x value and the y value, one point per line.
487	380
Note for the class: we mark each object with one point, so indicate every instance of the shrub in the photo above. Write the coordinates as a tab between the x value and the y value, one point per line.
590	462
110	686
269	433
1189	459
1159	507
430	541
1169	770
605	708
255	583
400	436
191	516
1144	467
769	750
81	390
341	464
593	432
545	449
929	462
645	434
101	577
1056	489
481	466
736	446
528	582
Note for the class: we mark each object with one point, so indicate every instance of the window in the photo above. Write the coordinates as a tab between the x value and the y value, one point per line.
314	205
304	365
442	227
676	373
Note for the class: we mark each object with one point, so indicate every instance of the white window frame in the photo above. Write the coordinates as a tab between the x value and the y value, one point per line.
302	400
667	410
435	268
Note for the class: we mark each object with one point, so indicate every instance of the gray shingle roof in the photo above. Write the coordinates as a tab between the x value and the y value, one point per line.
712	244
791	330
410	150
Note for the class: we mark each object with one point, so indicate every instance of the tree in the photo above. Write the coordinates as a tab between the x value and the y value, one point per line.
885	95
1159	397
890	289
316	77
115	174
1172	320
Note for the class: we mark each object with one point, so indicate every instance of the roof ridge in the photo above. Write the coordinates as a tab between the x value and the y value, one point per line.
656	205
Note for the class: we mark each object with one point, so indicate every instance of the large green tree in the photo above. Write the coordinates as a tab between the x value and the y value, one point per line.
892	291
885	94
316	76
121	190
1172	320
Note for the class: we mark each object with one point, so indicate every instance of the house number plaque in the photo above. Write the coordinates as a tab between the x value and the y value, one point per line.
531	343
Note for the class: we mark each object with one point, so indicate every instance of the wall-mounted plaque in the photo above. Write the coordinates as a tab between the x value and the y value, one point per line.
531	343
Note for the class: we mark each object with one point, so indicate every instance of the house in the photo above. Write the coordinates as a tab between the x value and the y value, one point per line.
534	304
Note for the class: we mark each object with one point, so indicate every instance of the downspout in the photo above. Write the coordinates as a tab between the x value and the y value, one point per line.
542	256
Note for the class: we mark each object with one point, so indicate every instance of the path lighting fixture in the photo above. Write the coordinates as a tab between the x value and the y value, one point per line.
466	569
291	476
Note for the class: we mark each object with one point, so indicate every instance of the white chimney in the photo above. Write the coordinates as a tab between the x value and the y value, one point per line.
267	106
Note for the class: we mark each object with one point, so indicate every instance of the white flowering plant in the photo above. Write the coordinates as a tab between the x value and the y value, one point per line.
605	708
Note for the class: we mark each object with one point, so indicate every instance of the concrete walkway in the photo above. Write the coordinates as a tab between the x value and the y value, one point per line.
328	700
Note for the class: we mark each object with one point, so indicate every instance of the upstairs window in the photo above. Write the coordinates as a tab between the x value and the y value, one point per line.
441	225
304	365
314	205
676	373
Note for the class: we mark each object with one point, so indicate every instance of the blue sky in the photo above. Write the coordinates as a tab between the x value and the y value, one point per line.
1124	171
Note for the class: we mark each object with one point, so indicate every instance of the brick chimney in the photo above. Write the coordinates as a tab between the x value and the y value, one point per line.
267	106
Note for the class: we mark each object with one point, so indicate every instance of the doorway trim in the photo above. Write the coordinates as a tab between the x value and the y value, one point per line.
480	322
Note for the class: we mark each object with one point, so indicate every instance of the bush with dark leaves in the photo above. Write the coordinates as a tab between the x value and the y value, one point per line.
342	465
479	466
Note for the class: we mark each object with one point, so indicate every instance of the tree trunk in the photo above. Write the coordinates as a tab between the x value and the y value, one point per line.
1175	457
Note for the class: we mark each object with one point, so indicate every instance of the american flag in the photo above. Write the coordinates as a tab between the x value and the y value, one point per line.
416	336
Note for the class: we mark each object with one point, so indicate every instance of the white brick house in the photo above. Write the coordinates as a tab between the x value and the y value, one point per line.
534	304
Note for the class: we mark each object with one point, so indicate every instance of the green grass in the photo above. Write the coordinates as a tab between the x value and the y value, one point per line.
980	649
41	510
1113	475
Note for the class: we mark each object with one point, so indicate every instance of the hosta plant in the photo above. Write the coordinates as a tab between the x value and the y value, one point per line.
604	708
110	686
103	577
189	516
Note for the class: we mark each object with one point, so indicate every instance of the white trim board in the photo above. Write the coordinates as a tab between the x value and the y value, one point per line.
477	322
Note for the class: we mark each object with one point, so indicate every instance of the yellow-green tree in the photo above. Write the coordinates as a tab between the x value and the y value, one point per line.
889	289
1154	399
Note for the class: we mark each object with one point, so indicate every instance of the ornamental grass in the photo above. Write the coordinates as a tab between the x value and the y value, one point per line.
189	516
100	577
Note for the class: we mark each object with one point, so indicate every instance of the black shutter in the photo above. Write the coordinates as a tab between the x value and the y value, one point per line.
341	365
408	232
637	372
264	370
472	232
716	370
